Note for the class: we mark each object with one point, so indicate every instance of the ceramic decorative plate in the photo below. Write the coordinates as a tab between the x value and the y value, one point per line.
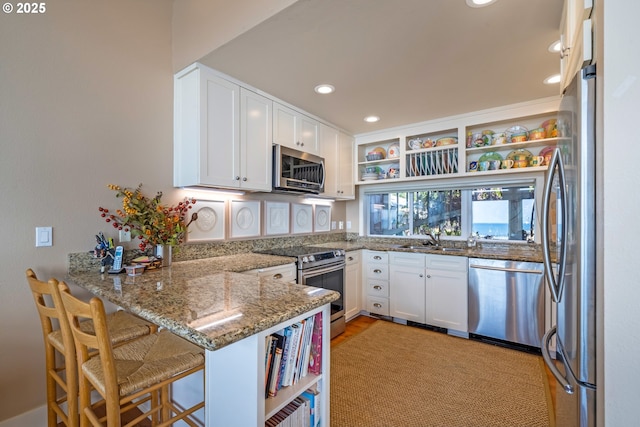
393	152
245	218
521	158
490	156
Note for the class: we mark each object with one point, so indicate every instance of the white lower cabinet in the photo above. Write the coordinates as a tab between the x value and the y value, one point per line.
353	285
376	282
447	292
407	286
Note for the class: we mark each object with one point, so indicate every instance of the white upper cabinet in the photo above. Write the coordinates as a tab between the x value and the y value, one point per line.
255	140
295	130
222	133
337	151
576	38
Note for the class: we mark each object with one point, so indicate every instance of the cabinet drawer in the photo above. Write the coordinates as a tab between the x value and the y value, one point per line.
352	257
376	257
286	273
378	288
447	262
377	271
378	305
407	259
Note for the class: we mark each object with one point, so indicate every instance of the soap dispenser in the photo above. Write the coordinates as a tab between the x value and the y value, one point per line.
471	241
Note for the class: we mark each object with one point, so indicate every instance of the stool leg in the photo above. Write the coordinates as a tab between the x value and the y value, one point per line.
164	395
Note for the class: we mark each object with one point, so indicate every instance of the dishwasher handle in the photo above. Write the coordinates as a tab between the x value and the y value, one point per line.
507	269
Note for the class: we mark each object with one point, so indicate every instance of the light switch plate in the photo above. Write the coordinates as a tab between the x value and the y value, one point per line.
44	236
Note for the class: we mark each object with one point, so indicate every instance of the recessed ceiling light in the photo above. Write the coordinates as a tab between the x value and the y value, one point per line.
479	3
371	119
555	47
324	89
552	79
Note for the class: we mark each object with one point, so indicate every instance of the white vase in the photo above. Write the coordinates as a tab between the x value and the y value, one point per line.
164	252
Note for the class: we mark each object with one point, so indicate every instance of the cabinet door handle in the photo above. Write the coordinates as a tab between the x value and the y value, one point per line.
277	276
237	178
377	287
428	276
377	271
421	275
377	257
350	258
244	178
377	305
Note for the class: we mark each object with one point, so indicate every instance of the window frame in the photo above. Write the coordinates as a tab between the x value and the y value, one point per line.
466	185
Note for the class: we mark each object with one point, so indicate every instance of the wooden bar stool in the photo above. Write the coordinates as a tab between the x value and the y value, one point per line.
132	374
62	371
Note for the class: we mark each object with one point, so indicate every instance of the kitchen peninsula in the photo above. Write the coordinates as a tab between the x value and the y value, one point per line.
228	314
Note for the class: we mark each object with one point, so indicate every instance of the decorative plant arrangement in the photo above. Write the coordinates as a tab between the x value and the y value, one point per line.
148	219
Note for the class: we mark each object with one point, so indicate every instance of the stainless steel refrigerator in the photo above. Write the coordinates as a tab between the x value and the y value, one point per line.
568	237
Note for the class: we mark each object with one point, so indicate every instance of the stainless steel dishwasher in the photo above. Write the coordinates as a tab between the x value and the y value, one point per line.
506	300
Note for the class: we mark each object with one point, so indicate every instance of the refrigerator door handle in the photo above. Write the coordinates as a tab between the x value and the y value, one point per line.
556	284
546	355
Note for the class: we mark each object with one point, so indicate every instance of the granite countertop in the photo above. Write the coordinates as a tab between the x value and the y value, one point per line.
190	296
514	252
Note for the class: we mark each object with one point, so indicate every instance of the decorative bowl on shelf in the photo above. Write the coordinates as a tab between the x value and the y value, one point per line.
373	156
449	140
539	133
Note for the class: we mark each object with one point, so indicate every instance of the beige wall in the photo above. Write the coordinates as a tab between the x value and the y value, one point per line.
86	99
86	96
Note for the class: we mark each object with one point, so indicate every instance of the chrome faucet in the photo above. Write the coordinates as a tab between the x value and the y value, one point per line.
435	241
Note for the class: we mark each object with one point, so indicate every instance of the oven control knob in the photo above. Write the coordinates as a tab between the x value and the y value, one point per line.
305	259
339	252
311	258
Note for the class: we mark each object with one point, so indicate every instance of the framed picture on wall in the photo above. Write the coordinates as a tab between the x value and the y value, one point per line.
301	218
245	218
211	221
322	218
276	218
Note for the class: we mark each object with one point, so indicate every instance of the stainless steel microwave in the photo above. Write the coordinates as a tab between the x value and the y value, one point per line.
295	171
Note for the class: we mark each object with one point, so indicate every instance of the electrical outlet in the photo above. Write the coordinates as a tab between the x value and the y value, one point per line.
348	225
333	225
124	236
341	225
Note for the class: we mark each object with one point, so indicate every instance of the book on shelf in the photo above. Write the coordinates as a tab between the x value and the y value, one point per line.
275	365
295	414
286	332
296	331
313	396
315	355
304	365
269	346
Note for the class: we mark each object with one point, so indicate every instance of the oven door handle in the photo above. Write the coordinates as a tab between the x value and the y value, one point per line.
314	272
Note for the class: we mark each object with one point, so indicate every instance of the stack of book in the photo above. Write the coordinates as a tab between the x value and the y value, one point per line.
292	353
303	411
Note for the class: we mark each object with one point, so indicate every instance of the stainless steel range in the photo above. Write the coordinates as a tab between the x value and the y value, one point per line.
322	268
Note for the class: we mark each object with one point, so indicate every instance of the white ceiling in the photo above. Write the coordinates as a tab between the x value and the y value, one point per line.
406	61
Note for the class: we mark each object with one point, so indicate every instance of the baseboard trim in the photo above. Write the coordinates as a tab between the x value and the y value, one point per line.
35	417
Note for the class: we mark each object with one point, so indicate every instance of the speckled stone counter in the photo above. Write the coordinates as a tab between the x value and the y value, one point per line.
513	252
200	302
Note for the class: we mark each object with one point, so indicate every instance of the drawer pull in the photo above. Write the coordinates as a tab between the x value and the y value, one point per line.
420	275
377	287
377	257
377	271
277	276
377	305
350	258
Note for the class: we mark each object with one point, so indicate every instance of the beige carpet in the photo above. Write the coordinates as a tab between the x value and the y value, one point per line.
392	375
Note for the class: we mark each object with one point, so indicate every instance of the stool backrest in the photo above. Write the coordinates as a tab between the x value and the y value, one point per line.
99	339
